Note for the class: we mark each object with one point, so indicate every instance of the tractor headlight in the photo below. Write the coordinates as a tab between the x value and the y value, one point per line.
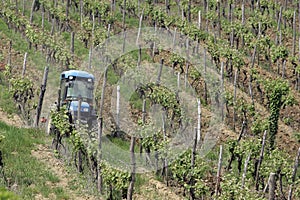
85	109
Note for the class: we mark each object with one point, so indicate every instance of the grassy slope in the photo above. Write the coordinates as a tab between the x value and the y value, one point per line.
25	174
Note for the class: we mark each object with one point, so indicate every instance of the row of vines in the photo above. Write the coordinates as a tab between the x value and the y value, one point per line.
253	44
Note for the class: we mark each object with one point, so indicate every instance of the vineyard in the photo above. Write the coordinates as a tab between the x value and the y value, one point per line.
200	98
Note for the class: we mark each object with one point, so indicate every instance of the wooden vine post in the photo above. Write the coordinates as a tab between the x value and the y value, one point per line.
41	97
199	19
294	175
124	15
245	169
186	74
118	110
189	11
278	25
217	188
79	153
174	39
261	156
167	2
219	18
199	123
272	183
100	129
140	56
193	159
243	21
255	47
294	34
31	12
9	53
24	64
140	28
222	90
205	72
159	72
232	157
124	41
72	44
234	98
165	160
81	12
23	7
43	17
143	122
133	169
67	7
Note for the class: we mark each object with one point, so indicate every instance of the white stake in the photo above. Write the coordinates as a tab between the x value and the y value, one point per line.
118	106
199	121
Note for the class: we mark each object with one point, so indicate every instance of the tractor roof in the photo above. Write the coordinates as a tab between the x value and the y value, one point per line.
76	73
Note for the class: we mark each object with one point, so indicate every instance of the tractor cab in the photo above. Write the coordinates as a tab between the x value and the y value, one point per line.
78	86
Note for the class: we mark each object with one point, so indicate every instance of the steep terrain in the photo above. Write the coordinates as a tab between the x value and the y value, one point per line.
254	40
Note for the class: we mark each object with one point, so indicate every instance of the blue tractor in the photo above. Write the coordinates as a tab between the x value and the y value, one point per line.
76	87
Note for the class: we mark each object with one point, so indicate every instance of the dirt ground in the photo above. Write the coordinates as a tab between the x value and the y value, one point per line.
13	120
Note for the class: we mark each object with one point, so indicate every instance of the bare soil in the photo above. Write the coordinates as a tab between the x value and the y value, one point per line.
13	120
155	189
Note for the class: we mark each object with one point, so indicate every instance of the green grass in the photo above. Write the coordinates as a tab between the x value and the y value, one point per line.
140	180
144	55
20	167
122	143
6	103
21	45
17	41
7	195
131	22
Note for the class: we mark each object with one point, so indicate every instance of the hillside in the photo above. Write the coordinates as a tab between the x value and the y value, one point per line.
195	99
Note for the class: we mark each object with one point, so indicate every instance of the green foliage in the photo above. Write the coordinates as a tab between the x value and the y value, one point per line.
36	36
278	162
183	172
77	141
256	18
262	44
243	107
231	189
162	96
7	72
277	91
60	120
259	125
118	179
232	54
297	136
21	89
6	103
229	98
2	137
288	15
7	195
22	92
177	60
279	52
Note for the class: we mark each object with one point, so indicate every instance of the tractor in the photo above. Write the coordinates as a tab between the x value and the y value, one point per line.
76	92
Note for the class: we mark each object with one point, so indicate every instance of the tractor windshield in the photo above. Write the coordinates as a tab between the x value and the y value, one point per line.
80	87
